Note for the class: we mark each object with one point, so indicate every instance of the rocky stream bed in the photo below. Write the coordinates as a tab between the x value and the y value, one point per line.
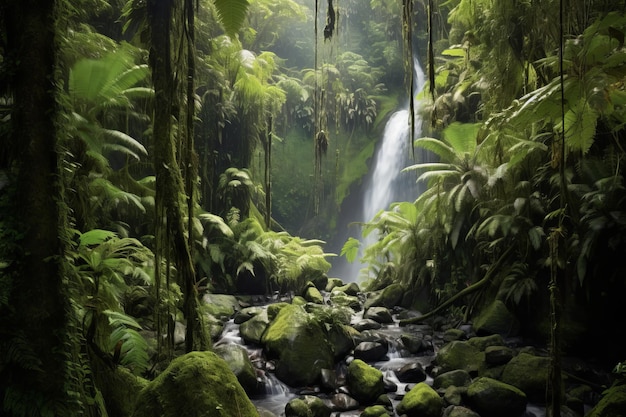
337	351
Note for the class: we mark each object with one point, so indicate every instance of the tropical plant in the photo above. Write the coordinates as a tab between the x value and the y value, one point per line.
106	267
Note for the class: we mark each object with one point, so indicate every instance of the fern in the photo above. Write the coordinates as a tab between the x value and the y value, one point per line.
133	348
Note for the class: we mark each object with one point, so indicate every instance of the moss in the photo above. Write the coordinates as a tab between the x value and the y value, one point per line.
364	381
197	384
375	411
422	400
612	403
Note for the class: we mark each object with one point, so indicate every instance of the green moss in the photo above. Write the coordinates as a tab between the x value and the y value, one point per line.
422	400
364	381
198	384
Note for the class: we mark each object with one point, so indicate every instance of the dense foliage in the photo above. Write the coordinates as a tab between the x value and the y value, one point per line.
155	150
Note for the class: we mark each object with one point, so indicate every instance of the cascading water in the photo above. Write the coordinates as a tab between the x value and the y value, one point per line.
387	183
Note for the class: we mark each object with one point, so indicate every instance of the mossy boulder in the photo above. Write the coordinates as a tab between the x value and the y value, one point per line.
332	283
351	288
493	398
252	329
197	384
238	360
313	295
528	373
460	355
421	401
222	306
364	382
496	319
375	411
299	344
390	297
307	406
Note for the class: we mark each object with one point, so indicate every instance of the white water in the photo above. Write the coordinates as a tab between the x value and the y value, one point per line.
388	183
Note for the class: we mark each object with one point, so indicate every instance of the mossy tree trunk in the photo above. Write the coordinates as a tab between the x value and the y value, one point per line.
33	324
171	233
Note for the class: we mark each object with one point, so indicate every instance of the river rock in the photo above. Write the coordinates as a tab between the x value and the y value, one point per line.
454	395
236	356
498	355
299	344
411	372
343	402
222	306
342	339
421	401
370	351
413	342
458	411
365	382
389	297
195	384
375	411
457	377
351	288
333	283
459	355
530	374
378	314
483	342
493	398
252	330
367	324
313	295
307	406
246	314
340	298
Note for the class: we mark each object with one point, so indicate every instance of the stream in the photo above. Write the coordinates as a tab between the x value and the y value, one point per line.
273	395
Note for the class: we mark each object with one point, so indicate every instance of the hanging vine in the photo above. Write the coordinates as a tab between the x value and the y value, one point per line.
407	34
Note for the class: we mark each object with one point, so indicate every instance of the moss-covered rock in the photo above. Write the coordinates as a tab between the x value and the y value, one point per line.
389	297
351	288
375	411
307	406
528	373
197	384
252	330
333	283
493	398
299	344
496	319
313	295
365	382
421	401
222	306
460	355
236	356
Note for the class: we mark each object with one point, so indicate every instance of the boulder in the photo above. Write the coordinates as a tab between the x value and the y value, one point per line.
252	330
390	297
458	411
493	398
307	406
364	382
378	314
333	283
340	298
370	351
457	378
459	355
222	306
313	295
342	339
411	372
375	411
195	384
530	374
236	356
351	288
496	319
421	401
300	347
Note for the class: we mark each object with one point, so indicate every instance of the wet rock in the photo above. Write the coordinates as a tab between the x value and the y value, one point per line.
378	314
496	319
422	401
253	329
414	343
498	355
370	351
343	402
193	385
375	411
458	411
457	377
313	295
333	283
493	398
246	314
236	356
411	372
389	297
454	334
529	373
299	344
364	382
367	324
307	406
459	355
222	306
454	395
350	289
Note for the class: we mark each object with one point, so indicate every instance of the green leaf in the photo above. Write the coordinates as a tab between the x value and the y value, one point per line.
350	249
231	14
95	237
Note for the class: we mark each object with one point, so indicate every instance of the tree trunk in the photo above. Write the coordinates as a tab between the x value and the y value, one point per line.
169	181
33	330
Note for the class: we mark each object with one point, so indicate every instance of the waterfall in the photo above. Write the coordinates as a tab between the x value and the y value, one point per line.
386	182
